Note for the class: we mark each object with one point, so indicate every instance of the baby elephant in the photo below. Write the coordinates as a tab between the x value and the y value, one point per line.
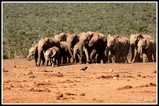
52	55
33	51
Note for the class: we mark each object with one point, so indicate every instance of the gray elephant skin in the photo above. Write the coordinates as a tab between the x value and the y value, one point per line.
33	51
119	46
44	44
147	47
52	55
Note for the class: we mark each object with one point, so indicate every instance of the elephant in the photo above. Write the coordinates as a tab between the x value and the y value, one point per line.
94	44
147	47
118	46
65	51
44	44
53	55
61	37
83	40
134	38
96	47
34	51
76	54
72	39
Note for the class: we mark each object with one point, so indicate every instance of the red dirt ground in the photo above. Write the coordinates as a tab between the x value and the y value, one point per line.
23	82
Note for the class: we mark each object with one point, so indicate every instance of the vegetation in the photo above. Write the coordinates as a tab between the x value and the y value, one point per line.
25	23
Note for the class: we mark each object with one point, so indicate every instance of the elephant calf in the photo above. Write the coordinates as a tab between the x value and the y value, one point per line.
33	51
52	55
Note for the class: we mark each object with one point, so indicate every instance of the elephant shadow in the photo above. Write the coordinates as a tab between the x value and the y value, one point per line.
66	64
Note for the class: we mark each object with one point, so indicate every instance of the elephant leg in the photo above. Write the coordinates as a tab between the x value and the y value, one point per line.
58	61
74	55
53	62
77	58
87	56
40	52
126	59
84	58
136	57
113	58
104	58
92	55
122	59
36	58
154	57
149	56
144	58
80	59
43	59
64	57
46	63
132	52
46	60
110	58
69	58
99	59
117	58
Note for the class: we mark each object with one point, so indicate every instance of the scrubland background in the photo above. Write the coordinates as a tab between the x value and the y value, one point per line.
25	23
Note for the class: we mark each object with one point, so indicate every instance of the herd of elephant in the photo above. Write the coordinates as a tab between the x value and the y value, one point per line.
93	47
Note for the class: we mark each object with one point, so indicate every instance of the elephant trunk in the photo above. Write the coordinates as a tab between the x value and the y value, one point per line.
28	57
74	54
69	49
81	52
140	51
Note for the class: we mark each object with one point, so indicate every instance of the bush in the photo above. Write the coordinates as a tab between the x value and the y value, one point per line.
25	23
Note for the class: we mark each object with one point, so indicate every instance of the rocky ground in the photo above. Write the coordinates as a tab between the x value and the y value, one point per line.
23	82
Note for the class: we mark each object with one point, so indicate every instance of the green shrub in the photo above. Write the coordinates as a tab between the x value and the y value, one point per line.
25	23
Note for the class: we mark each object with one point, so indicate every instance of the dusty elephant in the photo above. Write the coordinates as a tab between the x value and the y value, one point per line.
65	54
76	54
44	44
134	38
118	47
83	40
72	39
33	51
53	55
96	47
61	37
148	47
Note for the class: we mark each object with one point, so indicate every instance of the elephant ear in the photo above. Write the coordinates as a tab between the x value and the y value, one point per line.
47	40
140	36
117	40
116	43
147	43
109	36
94	39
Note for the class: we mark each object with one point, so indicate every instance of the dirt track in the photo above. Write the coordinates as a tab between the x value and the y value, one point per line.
25	83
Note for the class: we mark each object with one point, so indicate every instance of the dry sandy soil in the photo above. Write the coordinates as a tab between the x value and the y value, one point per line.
23	82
